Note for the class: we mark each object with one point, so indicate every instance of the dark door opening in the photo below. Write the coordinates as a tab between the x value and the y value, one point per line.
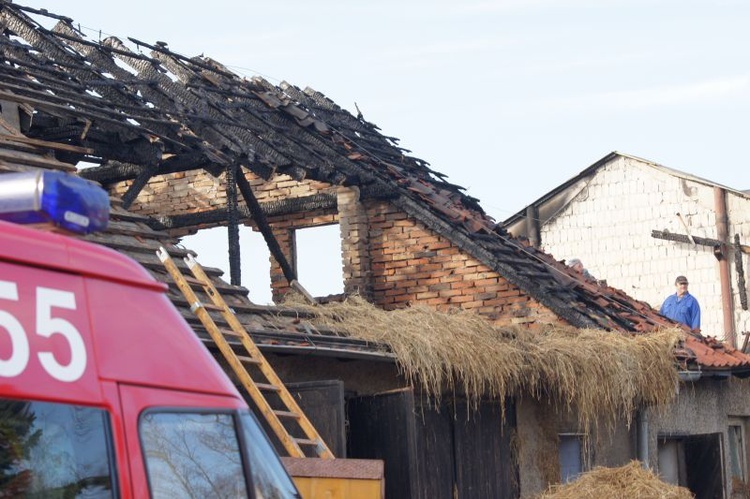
693	461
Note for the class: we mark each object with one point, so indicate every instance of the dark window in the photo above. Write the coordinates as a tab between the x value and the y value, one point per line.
194	455
270	479
54	451
571	457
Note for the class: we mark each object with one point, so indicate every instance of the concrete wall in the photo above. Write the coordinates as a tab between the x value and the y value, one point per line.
608	225
538	427
706	406
738	211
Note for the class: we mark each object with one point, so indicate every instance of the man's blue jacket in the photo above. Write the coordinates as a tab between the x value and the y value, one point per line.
685	310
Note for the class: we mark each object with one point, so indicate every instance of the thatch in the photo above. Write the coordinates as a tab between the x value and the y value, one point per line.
625	482
597	373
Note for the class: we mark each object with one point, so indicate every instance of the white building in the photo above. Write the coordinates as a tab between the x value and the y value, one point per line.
637	225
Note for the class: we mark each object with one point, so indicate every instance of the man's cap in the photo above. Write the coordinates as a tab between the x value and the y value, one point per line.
681	279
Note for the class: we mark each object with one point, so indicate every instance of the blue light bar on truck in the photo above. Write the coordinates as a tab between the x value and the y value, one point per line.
70	202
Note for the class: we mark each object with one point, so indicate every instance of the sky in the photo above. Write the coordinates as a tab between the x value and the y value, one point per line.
508	98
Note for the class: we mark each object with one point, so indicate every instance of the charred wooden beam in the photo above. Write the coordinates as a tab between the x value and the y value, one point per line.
701	241
137	186
262	169
265	229
272	208
115	171
46	144
233	230
741	285
682	238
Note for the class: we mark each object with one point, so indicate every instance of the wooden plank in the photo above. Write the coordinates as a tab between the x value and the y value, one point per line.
23	159
484	466
383	427
434	437
323	403
47	144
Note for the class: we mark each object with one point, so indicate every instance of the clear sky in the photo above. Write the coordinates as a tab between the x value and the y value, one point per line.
509	98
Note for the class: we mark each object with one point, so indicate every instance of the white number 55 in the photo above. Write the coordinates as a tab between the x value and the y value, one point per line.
46	326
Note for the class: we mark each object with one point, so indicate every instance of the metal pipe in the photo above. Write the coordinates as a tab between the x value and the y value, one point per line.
532	226
642	437
722	234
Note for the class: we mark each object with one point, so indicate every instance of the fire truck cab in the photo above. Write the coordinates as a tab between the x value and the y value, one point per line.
105	391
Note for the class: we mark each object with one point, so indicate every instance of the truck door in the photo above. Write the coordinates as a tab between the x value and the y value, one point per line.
182	444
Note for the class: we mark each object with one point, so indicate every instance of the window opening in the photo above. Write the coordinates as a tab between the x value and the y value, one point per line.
212	248
571	447
318	259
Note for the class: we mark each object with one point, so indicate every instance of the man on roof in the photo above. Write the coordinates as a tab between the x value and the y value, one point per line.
577	265
682	306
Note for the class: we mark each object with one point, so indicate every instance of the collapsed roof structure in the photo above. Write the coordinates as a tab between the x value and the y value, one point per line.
183	143
138	115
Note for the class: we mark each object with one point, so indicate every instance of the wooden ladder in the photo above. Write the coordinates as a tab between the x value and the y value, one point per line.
281	420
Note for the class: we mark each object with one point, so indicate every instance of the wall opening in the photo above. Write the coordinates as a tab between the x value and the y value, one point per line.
318	259
693	461
212	248
571	452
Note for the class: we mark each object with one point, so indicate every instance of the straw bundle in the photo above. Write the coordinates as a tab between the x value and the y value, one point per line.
625	482
596	372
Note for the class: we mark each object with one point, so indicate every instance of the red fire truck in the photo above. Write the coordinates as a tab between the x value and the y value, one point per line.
105	391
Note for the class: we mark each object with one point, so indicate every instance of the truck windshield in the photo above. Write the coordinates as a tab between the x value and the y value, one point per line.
54	451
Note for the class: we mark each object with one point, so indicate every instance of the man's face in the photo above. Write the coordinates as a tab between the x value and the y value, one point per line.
682	288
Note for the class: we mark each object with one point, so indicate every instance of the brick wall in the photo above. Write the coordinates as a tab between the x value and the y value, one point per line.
413	265
355	253
388	257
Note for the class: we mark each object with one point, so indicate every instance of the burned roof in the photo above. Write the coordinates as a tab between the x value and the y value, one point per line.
144	111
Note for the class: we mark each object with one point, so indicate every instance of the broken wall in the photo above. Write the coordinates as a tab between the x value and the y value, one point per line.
387	256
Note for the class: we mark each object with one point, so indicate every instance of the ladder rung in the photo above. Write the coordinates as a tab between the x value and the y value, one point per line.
305	441
211	306
229	332
192	280
249	360
286	414
268	388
